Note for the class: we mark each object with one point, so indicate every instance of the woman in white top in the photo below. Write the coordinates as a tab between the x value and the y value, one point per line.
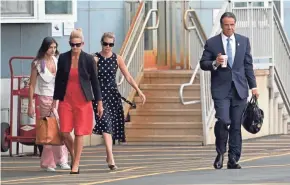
42	79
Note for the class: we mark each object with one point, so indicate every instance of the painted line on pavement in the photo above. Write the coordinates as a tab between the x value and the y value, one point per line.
168	172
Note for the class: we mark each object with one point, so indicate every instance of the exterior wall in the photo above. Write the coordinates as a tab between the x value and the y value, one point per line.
204	11
287	17
19	40
94	17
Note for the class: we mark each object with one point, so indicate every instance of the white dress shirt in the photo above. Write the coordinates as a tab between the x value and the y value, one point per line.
225	42
232	42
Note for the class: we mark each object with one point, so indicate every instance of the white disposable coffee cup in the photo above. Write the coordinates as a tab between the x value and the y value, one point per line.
225	61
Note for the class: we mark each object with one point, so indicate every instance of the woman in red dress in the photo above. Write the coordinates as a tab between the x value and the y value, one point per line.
76	85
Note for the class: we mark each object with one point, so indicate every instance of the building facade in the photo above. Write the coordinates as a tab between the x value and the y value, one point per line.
25	23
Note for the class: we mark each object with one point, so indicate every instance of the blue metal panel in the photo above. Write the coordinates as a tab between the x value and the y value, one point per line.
212	4
287	18
10	45
101	4
21	39
286	5
83	4
204	10
82	23
95	18
206	19
109	20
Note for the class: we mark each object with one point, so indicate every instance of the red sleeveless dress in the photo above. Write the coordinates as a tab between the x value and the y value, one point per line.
75	112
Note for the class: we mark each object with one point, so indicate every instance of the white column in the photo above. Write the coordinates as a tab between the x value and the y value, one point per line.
274	128
282	12
285	124
280	118
154	32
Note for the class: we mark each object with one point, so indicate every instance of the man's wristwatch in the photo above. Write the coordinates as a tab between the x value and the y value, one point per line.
215	65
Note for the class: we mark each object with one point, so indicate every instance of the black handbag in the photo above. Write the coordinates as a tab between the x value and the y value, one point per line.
253	116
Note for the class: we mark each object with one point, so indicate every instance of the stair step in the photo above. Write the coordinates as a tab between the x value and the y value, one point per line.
165	112
164	125
164	99
163	143
168	77
168	86
169	138
169	90
166	102
135	132
168	73
166	115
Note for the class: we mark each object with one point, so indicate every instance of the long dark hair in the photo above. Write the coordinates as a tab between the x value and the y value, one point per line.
47	41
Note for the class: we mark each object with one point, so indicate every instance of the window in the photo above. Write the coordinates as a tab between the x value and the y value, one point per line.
38	11
245	4
17	8
240	4
58	7
258	4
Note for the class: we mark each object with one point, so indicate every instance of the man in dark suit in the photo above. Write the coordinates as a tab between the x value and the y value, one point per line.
230	83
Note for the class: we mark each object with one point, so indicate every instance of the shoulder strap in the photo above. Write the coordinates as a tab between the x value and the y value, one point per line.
133	105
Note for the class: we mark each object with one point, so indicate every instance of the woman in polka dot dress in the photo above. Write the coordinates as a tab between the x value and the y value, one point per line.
112	122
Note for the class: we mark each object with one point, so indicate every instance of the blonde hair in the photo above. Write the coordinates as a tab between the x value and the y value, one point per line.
77	33
109	35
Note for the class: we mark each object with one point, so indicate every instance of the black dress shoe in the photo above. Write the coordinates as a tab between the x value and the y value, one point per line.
218	163
233	164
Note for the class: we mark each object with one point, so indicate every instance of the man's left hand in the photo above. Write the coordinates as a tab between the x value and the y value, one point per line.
255	92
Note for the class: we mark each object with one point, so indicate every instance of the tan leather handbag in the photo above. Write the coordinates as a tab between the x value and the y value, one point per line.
47	132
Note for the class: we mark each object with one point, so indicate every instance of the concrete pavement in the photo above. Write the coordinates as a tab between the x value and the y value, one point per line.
264	161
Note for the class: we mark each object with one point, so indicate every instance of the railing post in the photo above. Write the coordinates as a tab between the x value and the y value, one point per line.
252	27
230	6
271	98
203	107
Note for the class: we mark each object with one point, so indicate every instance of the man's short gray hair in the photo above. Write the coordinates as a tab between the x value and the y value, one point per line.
227	14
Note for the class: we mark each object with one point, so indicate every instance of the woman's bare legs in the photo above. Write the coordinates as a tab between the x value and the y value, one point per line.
78	147
69	143
109	150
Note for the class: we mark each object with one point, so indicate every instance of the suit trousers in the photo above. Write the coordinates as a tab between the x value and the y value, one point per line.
228	114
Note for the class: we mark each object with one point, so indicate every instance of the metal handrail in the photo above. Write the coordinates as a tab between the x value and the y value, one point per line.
139	37
281	30
184	20
277	78
132	27
202	40
206	102
282	90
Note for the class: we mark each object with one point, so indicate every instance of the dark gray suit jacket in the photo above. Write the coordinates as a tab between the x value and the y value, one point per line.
87	74
241	73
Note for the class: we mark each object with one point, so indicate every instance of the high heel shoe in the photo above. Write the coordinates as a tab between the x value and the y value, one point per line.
112	167
78	172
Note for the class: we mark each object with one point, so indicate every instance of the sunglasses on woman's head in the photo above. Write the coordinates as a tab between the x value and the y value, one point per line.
75	44
106	44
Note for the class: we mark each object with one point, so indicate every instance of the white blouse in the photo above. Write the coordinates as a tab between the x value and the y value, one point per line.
45	80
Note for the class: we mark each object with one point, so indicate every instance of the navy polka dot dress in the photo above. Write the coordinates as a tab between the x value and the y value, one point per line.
112	121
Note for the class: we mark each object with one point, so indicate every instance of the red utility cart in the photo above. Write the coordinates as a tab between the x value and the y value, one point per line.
19	90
